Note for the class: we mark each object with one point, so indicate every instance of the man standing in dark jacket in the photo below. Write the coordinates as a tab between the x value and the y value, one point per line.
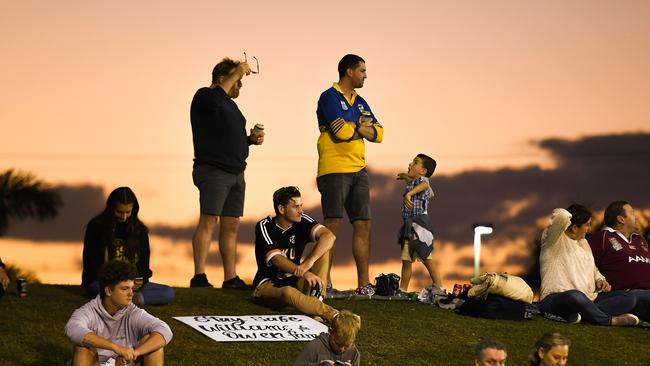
220	152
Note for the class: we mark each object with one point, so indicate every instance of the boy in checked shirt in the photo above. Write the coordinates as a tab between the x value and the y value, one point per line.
416	234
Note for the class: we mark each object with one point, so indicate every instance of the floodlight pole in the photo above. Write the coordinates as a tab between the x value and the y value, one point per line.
479	229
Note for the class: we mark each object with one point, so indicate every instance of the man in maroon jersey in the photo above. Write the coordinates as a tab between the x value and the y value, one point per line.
622	255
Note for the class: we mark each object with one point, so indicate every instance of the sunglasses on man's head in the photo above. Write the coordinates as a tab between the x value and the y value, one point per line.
257	64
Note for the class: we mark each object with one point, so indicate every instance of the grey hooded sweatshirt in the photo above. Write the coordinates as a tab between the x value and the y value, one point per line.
319	350
125	328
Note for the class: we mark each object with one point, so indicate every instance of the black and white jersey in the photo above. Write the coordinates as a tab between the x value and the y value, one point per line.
272	240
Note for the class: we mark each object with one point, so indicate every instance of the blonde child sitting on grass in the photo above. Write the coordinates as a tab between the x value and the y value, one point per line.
416	235
338	347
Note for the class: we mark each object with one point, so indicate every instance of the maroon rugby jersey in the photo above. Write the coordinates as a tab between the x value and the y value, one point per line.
625	265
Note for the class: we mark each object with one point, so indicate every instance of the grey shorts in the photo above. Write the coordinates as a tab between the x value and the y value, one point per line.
221	193
345	190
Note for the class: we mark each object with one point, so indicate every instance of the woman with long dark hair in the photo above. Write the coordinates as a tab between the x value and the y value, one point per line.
572	287
118	233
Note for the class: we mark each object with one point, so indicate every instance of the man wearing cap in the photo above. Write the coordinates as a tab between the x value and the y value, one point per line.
220	152
345	121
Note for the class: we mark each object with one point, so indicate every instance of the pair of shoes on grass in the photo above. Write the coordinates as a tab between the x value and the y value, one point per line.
623	320
236	283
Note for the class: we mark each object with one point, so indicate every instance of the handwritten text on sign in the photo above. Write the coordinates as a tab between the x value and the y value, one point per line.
257	328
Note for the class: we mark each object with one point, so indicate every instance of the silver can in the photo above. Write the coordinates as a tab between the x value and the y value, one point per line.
21	287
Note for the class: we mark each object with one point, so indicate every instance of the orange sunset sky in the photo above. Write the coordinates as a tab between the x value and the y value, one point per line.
98	93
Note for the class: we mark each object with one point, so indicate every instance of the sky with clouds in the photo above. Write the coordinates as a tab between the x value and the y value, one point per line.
96	95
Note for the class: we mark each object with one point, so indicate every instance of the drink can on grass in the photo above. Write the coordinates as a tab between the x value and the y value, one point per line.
458	288
21	287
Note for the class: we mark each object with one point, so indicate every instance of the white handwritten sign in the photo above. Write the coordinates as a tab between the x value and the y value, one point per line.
255	328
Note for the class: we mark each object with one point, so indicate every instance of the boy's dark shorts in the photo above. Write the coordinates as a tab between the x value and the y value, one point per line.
221	193
345	190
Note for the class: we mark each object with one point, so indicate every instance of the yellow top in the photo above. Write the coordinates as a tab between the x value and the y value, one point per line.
340	148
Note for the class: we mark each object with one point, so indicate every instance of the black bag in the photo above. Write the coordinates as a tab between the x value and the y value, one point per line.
495	307
387	284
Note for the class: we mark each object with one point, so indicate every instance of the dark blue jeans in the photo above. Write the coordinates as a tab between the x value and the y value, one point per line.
642	308
150	293
599	311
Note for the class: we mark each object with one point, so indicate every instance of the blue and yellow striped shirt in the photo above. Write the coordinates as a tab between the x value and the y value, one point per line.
340	149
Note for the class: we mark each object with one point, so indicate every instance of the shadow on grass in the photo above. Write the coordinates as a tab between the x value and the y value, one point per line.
51	353
72	290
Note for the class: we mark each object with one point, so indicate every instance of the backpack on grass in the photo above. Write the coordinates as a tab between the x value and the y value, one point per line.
387	284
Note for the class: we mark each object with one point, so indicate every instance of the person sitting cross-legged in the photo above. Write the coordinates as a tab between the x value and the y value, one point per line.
282	279
623	255
111	327
572	287
118	234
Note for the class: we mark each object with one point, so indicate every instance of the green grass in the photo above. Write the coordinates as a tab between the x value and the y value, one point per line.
393	333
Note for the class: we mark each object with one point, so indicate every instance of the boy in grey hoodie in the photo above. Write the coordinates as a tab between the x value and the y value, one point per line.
338	347
111	327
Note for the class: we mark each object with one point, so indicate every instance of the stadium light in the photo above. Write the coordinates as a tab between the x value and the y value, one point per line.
479	229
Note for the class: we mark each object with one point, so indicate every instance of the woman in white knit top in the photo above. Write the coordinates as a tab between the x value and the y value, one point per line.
572	287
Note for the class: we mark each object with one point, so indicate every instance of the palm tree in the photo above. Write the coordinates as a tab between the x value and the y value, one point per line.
23	196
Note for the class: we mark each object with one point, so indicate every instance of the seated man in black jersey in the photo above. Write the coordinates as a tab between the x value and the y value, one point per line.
281	278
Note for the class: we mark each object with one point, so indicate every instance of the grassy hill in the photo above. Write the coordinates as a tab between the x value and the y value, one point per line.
393	333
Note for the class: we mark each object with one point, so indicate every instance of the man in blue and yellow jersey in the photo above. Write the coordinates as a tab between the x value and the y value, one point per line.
345	120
